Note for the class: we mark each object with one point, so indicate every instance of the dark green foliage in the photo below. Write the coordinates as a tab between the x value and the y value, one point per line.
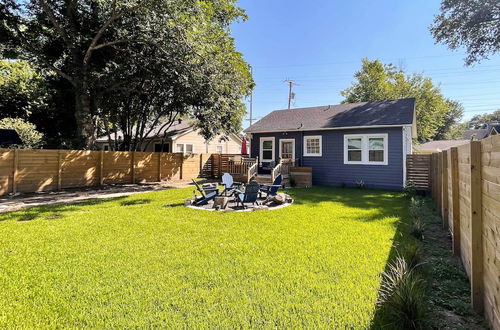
410	189
470	24
403	295
133	64
377	81
417	228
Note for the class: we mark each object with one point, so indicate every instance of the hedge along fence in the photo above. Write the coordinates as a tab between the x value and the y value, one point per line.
47	170
466	187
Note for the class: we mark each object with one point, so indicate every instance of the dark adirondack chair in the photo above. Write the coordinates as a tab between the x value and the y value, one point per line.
229	184
207	194
271	189
248	196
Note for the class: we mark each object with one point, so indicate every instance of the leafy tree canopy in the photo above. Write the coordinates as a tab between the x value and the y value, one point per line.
480	121
22	90
376	81
27	131
473	24
134	63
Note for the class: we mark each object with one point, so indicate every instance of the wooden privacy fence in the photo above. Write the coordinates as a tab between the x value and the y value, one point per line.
418	167
47	170
465	183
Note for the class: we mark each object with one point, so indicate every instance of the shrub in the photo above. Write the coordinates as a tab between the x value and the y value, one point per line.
417	228
410	189
360	184
402	295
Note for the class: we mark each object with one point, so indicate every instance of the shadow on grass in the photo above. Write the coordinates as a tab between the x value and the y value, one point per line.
54	211
136	202
386	203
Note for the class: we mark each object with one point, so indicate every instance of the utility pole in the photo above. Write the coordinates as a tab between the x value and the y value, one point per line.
291	95
251	100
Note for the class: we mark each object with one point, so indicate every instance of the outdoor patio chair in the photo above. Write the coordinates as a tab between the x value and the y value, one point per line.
207	194
271	189
229	184
248	196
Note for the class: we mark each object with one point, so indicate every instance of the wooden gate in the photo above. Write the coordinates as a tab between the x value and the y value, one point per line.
418	167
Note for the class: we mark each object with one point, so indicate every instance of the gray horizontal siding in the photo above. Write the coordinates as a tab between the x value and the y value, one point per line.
330	168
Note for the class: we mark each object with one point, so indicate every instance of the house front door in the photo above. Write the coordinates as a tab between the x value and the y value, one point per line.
287	149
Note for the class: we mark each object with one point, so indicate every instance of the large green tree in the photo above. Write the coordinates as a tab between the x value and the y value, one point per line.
27	131
111	50
375	82
473	24
479	121
22	90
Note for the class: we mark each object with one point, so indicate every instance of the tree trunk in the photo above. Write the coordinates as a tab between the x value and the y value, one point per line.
86	129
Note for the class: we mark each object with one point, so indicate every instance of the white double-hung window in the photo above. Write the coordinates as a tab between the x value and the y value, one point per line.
366	149
313	146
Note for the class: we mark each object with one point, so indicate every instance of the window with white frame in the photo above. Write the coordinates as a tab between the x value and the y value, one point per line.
370	149
267	149
186	148
313	145
218	149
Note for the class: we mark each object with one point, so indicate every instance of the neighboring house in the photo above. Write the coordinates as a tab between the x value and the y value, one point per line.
437	146
182	137
9	137
481	133
343	144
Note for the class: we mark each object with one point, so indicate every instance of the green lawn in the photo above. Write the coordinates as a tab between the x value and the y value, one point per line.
146	260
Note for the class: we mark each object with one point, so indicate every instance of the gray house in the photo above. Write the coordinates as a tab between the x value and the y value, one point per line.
343	143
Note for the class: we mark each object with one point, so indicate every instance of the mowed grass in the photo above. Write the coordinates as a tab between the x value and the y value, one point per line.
146	260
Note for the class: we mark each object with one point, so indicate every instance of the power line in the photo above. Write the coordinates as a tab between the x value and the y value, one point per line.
291	95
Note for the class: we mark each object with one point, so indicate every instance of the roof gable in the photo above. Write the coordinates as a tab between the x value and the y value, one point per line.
382	113
9	137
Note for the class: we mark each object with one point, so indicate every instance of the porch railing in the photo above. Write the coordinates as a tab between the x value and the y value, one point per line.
283	167
242	166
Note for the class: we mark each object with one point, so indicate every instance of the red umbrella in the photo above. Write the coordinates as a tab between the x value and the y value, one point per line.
244	146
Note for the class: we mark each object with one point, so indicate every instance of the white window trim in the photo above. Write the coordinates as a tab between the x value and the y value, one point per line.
164	143
365	149
307	137
261	153
293	146
184	148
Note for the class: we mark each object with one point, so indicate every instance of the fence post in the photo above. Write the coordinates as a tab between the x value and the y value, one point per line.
101	167
14	170
201	164
220	166
59	170
181	167
132	167
159	165
445	189
455	197
477	285
439	180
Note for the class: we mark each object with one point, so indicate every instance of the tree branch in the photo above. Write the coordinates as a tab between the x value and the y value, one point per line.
55	22
104	27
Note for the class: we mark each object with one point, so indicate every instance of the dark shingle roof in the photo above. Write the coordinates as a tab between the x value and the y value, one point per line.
9	137
382	113
481	133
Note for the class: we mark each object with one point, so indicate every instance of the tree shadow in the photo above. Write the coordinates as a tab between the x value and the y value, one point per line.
383	203
54	211
136	202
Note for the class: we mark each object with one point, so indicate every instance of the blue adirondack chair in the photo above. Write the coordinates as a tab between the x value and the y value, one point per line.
229	184
248	196
207	194
271	189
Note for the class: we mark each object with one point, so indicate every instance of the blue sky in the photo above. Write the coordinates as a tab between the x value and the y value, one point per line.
320	44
